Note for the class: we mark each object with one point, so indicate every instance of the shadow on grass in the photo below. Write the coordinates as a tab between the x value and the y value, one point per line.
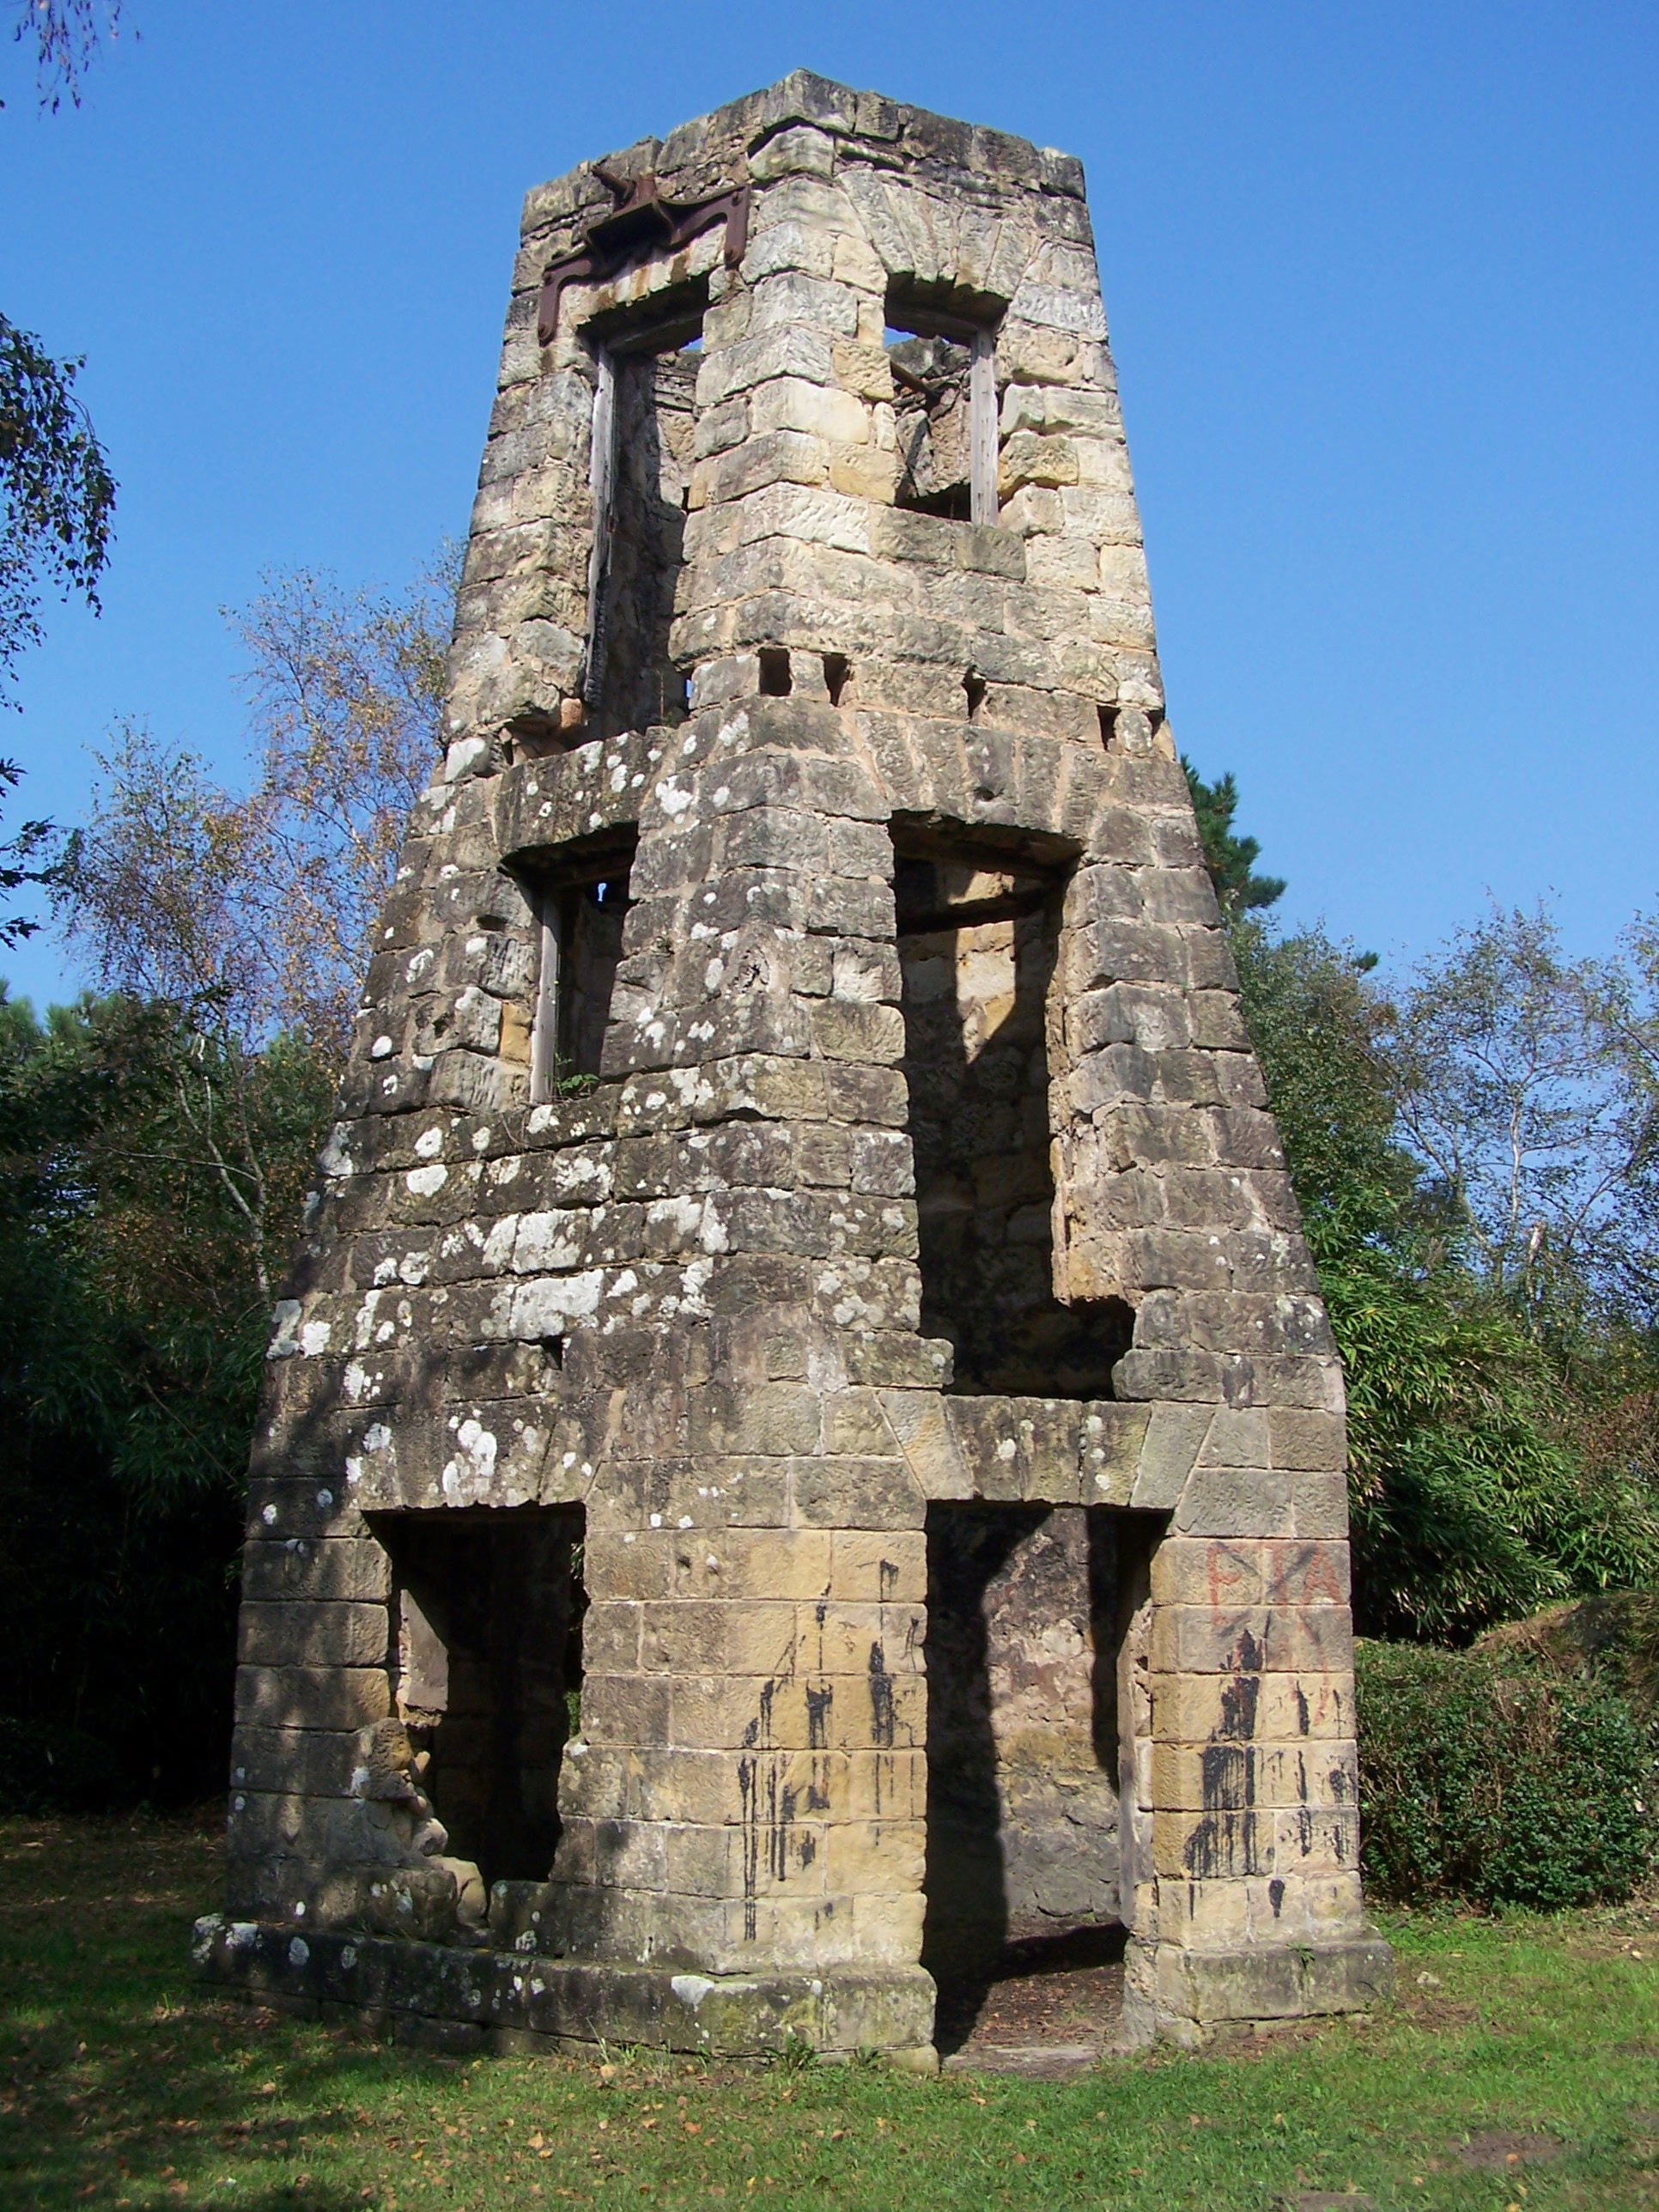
122	2086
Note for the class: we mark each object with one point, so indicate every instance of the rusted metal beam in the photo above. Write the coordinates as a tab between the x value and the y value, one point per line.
644	222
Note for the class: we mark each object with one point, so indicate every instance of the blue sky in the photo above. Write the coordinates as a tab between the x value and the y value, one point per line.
1384	288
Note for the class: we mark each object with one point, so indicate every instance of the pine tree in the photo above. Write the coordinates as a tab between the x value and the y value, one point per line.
1230	858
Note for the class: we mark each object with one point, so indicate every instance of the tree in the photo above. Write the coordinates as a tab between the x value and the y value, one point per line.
132	1323
65	34
1525	1083
163	891
156	1140
254	913
35	842
1230	858
57	495
347	689
1488	1475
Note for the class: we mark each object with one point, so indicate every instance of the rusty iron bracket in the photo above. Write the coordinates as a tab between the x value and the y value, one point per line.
642	223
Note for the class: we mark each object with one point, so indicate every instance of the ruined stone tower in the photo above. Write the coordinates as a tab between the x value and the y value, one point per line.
802	1441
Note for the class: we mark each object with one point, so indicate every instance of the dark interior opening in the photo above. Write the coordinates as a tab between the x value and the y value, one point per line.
590	951
631	681
1022	1748
978	938
581	899
775	679
836	669
489	1613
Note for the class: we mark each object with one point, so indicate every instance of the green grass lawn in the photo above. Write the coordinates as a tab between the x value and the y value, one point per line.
121	2085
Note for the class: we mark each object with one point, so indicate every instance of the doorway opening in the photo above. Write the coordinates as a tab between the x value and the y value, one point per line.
488	1617
1023	1750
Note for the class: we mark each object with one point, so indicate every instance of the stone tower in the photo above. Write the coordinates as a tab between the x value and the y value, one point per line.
802	1441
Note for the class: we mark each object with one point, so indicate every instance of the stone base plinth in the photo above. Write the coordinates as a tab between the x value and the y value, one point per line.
1183	1997
504	2000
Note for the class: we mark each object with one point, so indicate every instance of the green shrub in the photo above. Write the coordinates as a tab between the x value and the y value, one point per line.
1490	1777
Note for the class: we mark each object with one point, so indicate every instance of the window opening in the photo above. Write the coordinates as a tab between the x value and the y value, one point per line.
489	1621
945	399
1024	1755
581	909
975	686
776	680
978	938
640	473
836	669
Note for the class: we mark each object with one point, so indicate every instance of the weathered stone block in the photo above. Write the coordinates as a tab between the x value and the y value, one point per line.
340	1568
331	1696
305	1632
1168	1453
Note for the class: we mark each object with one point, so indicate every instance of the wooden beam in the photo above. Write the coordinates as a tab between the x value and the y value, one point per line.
601	476
982	429
544	1029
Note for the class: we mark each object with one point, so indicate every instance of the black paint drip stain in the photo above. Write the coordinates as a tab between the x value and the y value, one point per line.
1226	1778
887	1575
818	1702
759	1731
780	1819
1239	1700
748	1779
881	1700
771	1809
1223	1844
